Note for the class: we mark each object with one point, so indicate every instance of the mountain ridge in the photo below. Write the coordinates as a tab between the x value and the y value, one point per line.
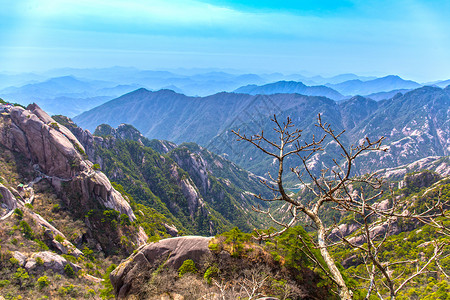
290	87
171	116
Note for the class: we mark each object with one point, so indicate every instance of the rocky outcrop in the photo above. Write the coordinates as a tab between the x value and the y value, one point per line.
189	190
170	252
421	180
39	262
196	165
343	230
8	201
438	164
59	156
172	230
64	246
351	261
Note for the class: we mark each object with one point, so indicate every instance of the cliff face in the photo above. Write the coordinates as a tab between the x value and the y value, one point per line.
58	156
53	153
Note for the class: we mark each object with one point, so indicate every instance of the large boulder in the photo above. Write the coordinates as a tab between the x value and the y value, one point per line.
50	261
43	261
7	199
171	252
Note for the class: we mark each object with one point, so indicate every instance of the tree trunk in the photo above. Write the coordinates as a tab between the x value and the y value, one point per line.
344	292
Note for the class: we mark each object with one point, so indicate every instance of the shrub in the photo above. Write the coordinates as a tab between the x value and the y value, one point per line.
41	245
90	293
108	291
88	253
236	239
89	214
42	282
39	261
79	149
68	290
96	167
29	206
124	220
21	275
111	214
210	273
214	247
188	266
69	270
70	258
59	238
13	261
4	283
56	208
18	213
26	230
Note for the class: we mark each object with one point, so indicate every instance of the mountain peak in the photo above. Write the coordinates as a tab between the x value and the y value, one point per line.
140	91
290	87
391	77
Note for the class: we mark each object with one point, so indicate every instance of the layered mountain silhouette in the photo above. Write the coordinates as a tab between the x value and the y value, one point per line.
415	124
384	84
289	87
67	94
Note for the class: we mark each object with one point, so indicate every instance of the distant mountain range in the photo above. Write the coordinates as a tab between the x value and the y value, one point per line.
377	89
72	91
415	124
199	82
384	84
289	87
442	84
68	95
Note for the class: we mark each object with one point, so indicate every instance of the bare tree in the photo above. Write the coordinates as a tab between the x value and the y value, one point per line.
333	189
375	241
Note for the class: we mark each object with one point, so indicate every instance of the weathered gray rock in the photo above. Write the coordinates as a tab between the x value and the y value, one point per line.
44	117
353	260
58	154
50	261
7	198
189	190
199	165
20	257
172	230
378	231
342	230
172	252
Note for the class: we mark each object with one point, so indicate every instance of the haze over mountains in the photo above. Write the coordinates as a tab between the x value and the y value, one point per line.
336	91
72	91
66	94
290	87
207	120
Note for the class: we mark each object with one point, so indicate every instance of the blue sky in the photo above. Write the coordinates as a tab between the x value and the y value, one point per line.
410	38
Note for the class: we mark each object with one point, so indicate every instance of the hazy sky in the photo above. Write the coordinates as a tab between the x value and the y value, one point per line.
410	38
